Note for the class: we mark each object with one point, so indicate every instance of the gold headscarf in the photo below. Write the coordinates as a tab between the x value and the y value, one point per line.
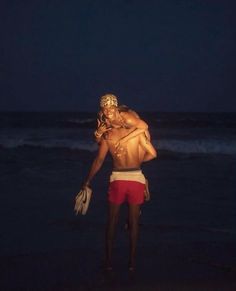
108	100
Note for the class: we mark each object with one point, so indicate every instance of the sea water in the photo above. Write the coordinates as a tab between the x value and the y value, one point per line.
213	133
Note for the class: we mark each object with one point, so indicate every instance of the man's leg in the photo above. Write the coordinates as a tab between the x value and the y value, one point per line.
113	212
134	212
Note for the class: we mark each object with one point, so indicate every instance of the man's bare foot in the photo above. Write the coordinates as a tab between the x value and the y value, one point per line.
127	225
131	266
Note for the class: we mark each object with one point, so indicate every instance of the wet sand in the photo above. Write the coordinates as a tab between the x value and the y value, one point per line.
187	230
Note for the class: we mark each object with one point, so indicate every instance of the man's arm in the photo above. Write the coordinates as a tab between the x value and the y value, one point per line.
150	151
97	163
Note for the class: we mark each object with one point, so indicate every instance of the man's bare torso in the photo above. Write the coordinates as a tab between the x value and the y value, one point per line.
125	156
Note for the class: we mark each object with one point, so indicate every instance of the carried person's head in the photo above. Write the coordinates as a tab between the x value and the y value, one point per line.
109	105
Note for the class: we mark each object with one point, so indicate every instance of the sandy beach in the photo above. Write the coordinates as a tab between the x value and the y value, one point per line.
187	230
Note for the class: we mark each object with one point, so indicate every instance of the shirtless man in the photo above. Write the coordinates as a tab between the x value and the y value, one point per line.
127	182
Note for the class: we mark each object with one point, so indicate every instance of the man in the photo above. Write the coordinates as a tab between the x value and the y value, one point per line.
128	150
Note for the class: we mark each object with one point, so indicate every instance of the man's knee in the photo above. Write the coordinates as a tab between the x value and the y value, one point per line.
113	215
134	218
113	219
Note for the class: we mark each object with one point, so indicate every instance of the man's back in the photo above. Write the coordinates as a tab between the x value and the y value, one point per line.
128	155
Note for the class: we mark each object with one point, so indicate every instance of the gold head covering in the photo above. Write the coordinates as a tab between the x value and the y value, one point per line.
108	100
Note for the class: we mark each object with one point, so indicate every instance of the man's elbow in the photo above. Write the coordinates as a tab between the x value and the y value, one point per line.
98	162
154	154
153	157
150	156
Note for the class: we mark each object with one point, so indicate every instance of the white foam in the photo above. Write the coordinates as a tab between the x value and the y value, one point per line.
70	144
81	121
216	146
83	140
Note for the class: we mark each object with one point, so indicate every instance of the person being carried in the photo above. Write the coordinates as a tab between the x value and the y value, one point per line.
119	116
127	182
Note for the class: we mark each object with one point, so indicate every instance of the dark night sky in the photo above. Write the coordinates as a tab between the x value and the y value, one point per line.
161	55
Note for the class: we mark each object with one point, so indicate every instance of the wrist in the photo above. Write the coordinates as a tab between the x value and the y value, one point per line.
98	134
86	183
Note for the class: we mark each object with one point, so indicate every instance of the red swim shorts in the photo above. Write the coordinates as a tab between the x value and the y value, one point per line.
121	190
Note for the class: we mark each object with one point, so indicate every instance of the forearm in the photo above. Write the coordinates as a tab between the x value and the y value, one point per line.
97	163
98	139
150	151
132	134
98	136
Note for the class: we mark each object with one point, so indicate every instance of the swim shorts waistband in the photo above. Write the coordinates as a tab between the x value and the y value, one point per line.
135	175
126	170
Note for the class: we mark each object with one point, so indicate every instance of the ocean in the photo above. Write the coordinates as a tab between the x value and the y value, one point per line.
182	133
